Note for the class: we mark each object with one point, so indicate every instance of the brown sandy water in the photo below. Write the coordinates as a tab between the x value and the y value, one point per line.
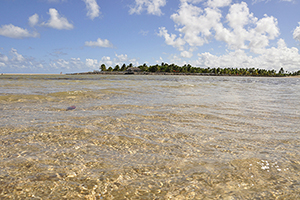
149	137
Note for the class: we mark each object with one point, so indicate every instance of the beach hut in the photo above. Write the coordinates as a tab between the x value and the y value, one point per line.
133	69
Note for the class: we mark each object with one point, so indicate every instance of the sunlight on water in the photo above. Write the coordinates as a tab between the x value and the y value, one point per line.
149	137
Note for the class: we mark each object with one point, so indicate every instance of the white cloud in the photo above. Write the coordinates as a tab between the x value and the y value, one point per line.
257	1
282	56
296	34
134	62
120	59
245	27
16	32
99	43
56	21
240	30
218	3
266	29
152	6
68	65
17	57
191	1
235	59
106	60
196	24
91	63
93	8
239	16
3	58
16	62
272	58
186	54
33	20
189	53
171	39
62	64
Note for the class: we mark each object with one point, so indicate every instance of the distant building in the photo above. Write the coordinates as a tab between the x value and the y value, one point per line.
133	69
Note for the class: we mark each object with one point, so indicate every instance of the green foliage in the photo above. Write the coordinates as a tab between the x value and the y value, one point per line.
117	68
154	68
296	73
188	69
123	68
281	71
130	65
143	67
103	67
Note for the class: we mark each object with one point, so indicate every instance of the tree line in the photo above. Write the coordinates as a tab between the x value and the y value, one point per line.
187	68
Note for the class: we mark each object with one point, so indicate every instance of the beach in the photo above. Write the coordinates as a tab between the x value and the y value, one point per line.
149	137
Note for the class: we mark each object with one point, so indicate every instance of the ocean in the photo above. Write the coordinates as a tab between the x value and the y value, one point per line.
149	137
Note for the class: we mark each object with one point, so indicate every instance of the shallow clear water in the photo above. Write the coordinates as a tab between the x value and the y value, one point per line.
149	137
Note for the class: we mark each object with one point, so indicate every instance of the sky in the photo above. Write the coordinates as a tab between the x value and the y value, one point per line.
53	36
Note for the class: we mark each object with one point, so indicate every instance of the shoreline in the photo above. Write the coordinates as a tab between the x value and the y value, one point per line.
174	74
141	73
23	74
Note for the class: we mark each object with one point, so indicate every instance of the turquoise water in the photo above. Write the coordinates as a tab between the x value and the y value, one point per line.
149	137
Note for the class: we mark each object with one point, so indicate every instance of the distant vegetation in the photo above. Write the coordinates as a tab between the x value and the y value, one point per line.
188	69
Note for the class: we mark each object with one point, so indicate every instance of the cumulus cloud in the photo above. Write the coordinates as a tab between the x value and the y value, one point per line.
33	20
67	65
106	60
91	63
120	59
57	22
296	34
191	1
198	26
152	7
3	60
282	56
186	54
16	62
195	24
16	32
99	43
244	27
171	39
17	57
272	58
61	64
93	8
237	58
218	3
257	1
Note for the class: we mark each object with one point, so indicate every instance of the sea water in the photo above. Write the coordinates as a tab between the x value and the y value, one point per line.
149	137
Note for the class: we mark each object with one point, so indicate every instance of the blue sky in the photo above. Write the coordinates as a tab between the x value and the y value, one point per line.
53	36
